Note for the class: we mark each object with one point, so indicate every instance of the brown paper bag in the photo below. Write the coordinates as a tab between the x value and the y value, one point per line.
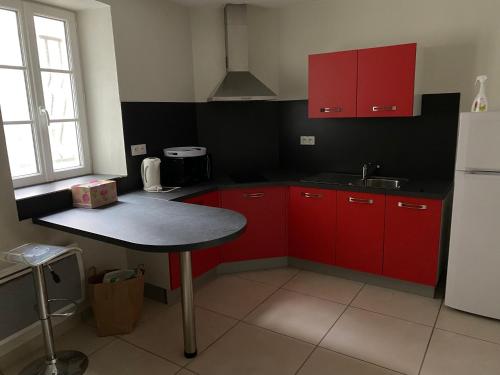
117	306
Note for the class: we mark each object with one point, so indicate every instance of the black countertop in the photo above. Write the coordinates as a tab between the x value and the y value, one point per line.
150	224
419	188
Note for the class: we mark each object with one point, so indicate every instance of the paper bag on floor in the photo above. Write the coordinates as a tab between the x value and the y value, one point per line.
117	306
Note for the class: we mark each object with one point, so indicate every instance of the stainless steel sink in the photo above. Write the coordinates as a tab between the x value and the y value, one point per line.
383	183
380	183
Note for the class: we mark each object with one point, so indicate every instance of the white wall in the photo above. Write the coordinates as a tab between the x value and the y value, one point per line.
461	39
153	50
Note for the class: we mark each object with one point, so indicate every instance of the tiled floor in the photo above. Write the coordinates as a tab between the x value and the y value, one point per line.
289	322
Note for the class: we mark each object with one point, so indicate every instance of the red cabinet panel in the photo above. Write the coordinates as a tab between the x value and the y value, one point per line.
265	235
386	79
332	84
412	239
201	260
360	231
311	224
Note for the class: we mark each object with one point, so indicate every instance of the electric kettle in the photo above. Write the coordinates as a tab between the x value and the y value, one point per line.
150	173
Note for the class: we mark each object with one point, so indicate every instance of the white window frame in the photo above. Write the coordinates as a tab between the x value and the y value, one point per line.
39	119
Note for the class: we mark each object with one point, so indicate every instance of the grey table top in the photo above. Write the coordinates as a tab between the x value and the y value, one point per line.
150	224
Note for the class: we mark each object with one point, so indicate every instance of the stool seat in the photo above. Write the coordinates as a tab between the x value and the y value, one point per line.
34	254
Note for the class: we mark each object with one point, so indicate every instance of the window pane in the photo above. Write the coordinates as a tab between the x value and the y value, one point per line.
9	39
51	42
13	99
58	95
21	150
64	145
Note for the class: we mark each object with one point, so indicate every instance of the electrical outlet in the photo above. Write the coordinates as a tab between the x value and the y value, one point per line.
307	140
138	149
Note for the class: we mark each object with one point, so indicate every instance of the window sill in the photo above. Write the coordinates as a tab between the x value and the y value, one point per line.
41	199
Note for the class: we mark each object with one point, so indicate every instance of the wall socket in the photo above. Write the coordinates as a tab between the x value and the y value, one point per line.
138	149
307	140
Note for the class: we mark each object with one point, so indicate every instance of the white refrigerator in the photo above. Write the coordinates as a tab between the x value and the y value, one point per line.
473	281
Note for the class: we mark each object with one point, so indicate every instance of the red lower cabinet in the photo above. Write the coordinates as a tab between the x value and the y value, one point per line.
265	235
360	231
311	224
412	239
202	260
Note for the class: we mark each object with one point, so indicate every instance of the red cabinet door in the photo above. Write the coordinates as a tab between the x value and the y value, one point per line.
265	235
201	260
312	224
386	79
412	239
360	231
332	84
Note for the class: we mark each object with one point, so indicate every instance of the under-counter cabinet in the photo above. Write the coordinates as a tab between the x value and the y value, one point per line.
386	80
332	84
412	239
204	260
312	223
360	231
265	236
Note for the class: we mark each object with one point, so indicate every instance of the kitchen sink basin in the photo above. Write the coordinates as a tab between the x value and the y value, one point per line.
383	183
380	183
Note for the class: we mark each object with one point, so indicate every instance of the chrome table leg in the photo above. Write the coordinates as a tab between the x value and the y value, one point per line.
188	318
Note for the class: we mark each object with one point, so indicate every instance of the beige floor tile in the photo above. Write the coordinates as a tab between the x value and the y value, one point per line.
383	340
232	296
276	277
402	305
451	353
469	324
163	336
121	358
250	350
323	286
303	317
326	362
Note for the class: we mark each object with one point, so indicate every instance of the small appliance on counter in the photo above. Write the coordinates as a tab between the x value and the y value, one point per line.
186	165
150	173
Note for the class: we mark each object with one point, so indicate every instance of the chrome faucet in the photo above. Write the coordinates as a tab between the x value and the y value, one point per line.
368	170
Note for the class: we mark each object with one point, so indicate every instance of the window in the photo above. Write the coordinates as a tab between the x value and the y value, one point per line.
41	97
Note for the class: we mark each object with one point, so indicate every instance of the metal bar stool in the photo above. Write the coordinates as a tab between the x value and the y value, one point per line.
68	362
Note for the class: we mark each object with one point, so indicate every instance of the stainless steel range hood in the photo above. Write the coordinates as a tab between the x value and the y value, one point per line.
239	84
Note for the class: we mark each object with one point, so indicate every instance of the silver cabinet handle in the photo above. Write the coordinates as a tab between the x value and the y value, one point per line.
360	201
384	108
253	195
412	206
312	195
330	109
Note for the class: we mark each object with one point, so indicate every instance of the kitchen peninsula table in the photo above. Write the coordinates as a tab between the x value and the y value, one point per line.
155	225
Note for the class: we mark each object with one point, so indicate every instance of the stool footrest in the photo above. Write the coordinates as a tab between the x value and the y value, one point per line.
71	313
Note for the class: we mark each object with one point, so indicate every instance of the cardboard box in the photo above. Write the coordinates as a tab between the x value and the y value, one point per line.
94	194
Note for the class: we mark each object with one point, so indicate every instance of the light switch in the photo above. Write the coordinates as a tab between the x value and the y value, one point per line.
138	149
307	140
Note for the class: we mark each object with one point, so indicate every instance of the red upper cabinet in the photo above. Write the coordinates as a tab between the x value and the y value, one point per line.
201	260
386	79
332	84
360	231
412	239
265	211
312	224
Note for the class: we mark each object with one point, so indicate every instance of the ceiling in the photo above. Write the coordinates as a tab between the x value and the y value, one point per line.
265	3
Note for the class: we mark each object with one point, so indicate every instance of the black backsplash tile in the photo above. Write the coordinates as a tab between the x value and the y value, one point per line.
418	147
158	125
253	136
